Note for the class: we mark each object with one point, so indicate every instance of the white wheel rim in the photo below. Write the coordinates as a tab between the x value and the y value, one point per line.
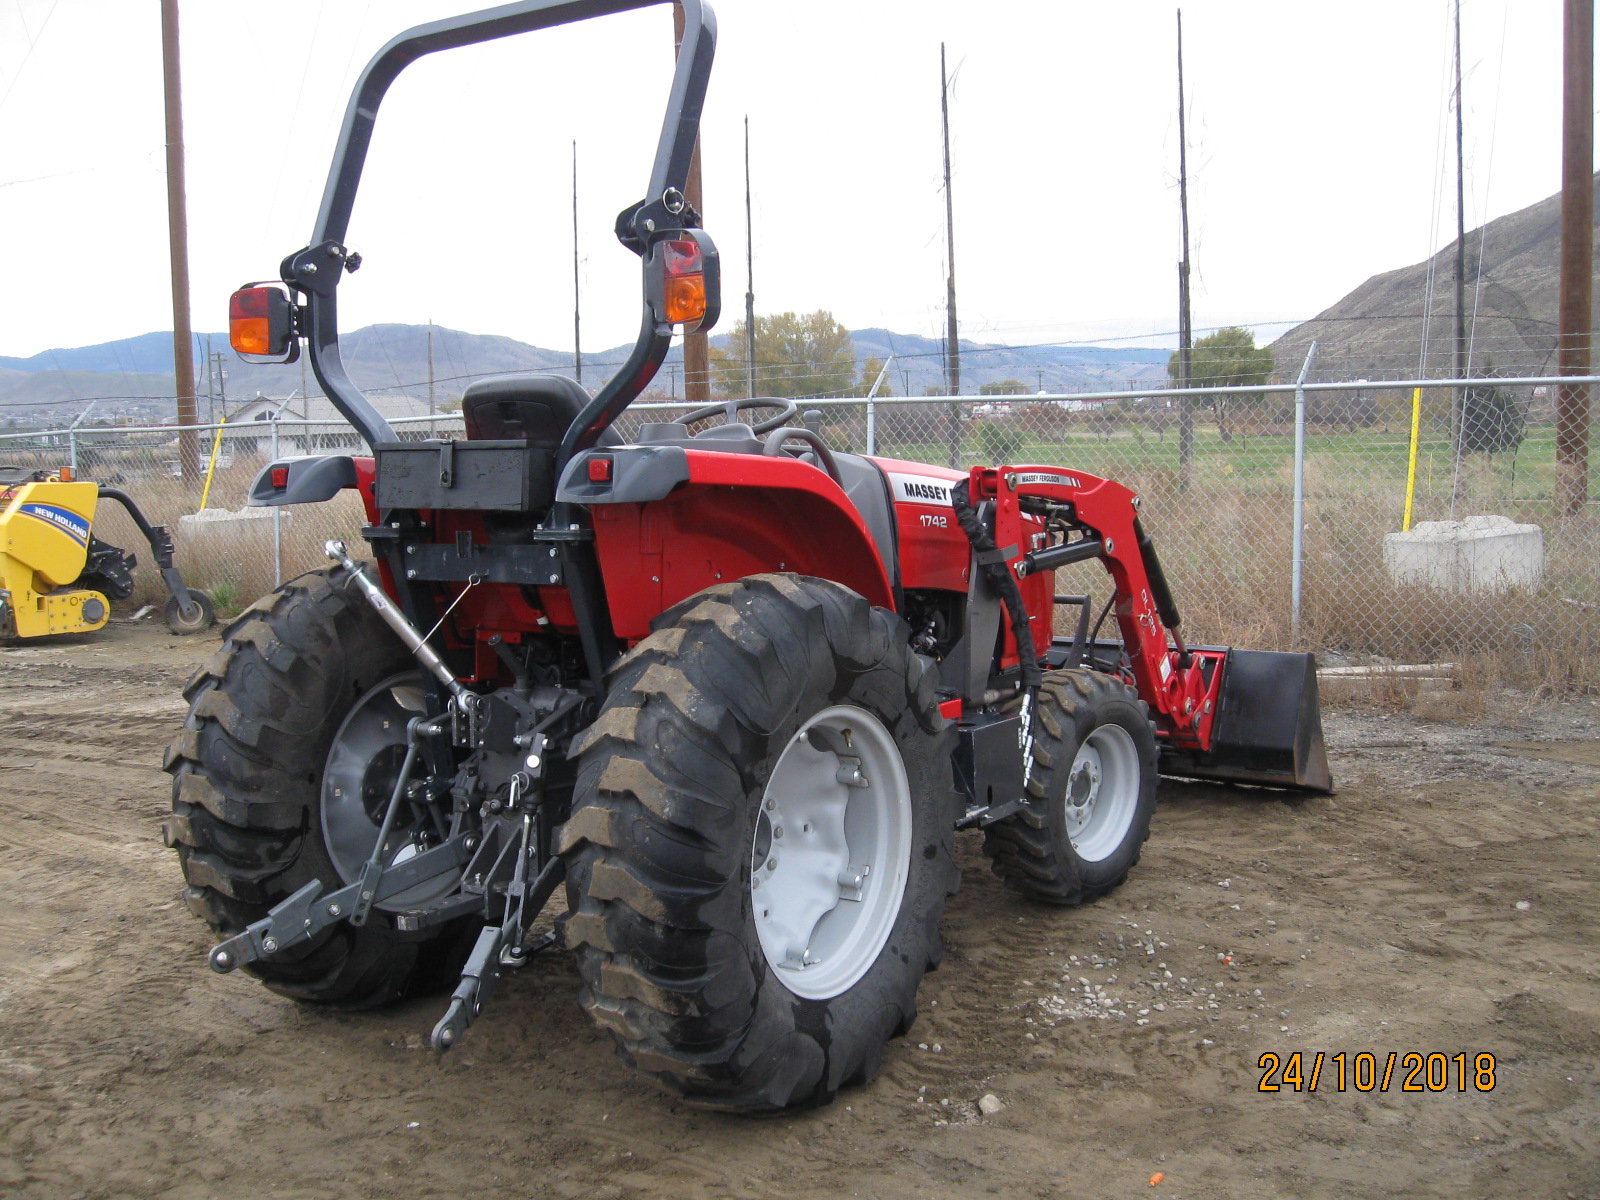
831	852
1102	792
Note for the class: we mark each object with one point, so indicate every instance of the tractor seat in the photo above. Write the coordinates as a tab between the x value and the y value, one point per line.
538	408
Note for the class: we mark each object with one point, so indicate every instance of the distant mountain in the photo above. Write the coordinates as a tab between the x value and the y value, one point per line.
134	376
149	354
1512	281
1054	368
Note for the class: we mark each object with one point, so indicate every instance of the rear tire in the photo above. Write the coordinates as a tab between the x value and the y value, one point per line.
697	985
247	790
1092	791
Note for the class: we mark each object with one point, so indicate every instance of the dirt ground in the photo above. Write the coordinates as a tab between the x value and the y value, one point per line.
1444	901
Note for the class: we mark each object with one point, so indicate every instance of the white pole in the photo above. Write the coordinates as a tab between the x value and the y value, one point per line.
1298	575
72	438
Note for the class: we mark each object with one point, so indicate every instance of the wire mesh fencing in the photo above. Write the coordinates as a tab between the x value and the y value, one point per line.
1216	470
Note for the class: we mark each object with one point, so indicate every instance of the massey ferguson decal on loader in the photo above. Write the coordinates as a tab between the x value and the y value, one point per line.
734	688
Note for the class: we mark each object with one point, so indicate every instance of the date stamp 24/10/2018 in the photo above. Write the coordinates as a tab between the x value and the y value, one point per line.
1413	1071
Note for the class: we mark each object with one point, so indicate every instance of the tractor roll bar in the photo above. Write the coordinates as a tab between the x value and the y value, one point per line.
316	270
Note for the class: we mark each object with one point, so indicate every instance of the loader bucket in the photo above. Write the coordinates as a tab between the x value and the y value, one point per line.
1268	729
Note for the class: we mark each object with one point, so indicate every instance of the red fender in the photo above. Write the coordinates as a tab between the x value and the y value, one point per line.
738	515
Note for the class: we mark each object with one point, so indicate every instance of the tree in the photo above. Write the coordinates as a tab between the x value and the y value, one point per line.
1004	387
1001	442
796	356
1228	358
1490	421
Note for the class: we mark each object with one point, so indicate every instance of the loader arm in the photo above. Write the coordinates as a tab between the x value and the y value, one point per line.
1180	685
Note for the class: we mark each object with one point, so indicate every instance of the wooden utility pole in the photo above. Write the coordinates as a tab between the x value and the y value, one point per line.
178	247
952	348
1577	255
431	408
1458	407
696	352
749	275
1185	329
577	339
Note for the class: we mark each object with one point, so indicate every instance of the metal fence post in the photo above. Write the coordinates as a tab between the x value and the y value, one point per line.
872	408
1298	571
72	438
277	518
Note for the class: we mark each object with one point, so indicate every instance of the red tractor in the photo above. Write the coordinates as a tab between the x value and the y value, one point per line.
734	688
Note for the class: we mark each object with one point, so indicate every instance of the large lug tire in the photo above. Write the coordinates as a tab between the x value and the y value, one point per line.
1092	791
756	707
248	817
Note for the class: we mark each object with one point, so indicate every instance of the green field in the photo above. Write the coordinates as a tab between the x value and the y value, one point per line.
1362	462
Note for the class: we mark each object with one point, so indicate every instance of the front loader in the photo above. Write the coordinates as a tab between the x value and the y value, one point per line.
734	690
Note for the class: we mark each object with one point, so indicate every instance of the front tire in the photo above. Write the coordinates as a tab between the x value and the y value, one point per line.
248	819
1091	791
770	739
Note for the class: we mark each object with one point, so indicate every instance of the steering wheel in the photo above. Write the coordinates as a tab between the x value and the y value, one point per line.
786	409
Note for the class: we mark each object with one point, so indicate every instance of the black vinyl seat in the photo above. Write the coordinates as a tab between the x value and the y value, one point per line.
537	408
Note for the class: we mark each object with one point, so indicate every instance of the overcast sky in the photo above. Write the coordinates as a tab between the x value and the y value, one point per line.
1318	156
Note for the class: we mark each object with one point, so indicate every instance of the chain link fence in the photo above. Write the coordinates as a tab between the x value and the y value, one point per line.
1217	471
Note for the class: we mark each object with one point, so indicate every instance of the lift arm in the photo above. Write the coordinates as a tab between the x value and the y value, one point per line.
1180	685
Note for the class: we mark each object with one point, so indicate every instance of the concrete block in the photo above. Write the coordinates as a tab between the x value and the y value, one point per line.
1479	554
220	536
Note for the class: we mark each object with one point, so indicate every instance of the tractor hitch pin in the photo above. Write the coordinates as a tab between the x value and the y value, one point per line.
403	628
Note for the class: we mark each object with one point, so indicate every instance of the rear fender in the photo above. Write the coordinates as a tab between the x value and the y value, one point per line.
670	521
312	479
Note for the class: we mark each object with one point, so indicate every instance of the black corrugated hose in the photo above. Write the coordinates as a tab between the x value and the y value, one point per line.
994	567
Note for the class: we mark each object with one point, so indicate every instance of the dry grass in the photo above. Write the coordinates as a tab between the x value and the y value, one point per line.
233	567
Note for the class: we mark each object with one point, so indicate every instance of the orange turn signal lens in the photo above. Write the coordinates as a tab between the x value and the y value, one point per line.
685	298
250	335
